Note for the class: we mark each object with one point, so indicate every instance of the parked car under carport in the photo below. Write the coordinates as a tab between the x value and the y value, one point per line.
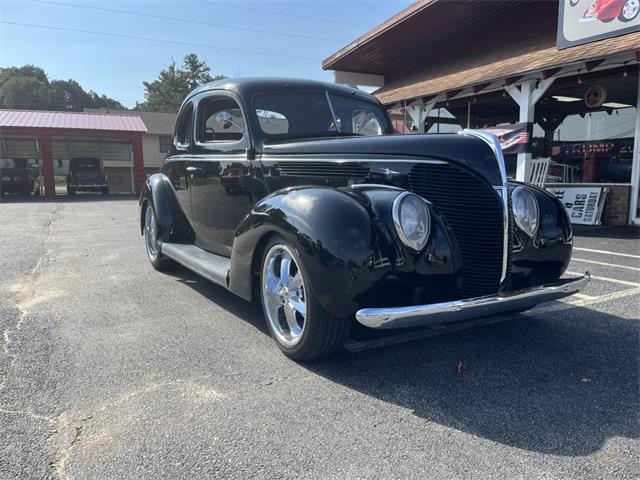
86	175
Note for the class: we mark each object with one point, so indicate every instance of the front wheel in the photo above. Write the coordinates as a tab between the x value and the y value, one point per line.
300	326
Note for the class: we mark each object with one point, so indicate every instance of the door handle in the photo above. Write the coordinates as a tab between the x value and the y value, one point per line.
193	169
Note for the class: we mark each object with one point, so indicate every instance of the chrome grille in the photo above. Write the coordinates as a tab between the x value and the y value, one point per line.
473	211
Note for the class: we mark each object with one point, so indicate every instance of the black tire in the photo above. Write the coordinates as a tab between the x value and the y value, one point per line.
323	333
105	190
71	191
152	247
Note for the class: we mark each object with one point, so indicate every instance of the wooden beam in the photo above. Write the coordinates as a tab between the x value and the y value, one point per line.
591	64
480	87
550	72
512	80
452	93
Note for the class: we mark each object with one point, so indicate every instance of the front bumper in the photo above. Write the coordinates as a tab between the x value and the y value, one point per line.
459	310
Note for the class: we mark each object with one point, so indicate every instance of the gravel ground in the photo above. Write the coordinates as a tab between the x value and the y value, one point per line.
110	369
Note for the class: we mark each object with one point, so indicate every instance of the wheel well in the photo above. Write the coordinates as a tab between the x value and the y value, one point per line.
258	252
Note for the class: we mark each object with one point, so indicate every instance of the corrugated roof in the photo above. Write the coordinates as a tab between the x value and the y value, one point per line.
531	57
158	123
70	120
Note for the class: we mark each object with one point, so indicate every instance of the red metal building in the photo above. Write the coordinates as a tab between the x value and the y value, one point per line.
45	128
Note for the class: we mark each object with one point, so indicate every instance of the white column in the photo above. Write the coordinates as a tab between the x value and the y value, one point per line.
526	95
635	169
419	112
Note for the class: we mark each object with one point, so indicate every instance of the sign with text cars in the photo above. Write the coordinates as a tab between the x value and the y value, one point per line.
584	204
585	21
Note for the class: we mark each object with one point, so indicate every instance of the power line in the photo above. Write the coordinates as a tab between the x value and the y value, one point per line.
187	20
272	12
159	40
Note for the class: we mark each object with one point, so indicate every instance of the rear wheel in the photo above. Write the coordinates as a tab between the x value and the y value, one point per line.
151	241
300	326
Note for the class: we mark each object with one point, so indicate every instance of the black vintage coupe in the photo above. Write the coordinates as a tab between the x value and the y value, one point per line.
86	175
296	193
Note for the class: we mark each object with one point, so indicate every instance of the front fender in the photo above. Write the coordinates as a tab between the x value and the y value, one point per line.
347	245
544	257
332	233
172	222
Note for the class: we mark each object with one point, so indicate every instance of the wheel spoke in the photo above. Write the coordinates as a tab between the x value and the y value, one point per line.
290	316
296	281
299	307
272	280
285	266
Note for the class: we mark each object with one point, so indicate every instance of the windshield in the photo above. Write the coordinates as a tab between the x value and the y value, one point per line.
317	113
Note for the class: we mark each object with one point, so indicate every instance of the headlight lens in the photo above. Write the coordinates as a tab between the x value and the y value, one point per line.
412	220
525	210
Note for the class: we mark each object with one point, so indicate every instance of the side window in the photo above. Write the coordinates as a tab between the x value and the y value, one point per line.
184	131
165	143
219	120
356	116
272	123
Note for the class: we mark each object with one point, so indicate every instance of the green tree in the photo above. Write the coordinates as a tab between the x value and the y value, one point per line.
68	95
24	88
29	88
174	83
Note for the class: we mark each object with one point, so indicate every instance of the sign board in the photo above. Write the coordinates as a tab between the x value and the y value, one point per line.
584	204
514	137
586	21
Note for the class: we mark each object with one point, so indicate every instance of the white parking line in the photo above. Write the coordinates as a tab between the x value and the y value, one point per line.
605	252
609	279
583	296
605	264
604	298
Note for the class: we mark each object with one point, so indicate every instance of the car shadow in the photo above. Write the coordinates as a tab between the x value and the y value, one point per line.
559	383
247	311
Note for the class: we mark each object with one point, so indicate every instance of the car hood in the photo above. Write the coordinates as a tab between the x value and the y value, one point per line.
469	151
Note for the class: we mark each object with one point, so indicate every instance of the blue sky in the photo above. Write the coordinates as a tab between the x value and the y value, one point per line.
116	66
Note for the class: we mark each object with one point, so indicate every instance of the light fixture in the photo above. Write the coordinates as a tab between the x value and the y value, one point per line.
562	98
616	105
625	74
412	220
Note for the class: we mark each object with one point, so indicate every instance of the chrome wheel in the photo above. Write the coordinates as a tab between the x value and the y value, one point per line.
151	234
630	9
283	295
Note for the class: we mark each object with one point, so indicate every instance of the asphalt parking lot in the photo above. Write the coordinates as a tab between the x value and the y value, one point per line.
110	369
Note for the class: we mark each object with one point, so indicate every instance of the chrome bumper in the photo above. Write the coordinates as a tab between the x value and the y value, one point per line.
459	310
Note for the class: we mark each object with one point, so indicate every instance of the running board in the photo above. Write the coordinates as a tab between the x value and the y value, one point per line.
206	264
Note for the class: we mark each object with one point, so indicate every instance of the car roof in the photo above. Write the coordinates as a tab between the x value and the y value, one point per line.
246	87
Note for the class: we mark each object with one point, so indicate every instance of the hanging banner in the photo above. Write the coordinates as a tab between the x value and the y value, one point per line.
586	21
584	204
514	137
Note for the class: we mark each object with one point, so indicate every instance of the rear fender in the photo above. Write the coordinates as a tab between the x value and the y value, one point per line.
172	222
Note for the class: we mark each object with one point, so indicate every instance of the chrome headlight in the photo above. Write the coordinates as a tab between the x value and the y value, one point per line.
412	220
525	210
